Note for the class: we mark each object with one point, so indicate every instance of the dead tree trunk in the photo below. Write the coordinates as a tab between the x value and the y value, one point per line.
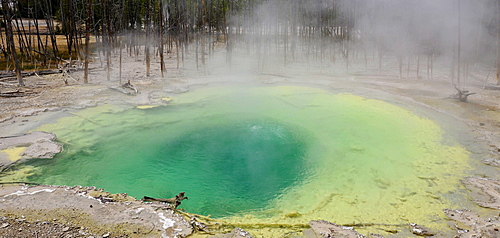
22	37
11	47
379	62
177	48
498	57
87	41
400	65
462	94
229	37
418	65
108	38
203	18
120	73
3	47
41	46
345	52
162	60
148	26
49	21
458	44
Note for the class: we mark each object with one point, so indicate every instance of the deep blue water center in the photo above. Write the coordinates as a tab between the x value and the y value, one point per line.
242	165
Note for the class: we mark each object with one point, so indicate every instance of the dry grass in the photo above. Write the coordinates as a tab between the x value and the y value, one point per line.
42	54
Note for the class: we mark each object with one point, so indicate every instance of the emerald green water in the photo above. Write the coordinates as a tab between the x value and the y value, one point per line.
225	169
259	153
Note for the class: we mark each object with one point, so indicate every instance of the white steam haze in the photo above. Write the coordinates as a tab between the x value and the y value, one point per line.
452	40
409	37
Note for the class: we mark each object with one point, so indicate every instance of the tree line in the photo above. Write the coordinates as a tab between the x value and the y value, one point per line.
464	33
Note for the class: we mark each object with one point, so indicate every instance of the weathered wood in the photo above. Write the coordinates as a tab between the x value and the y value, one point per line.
15	93
87	42
130	86
51	56
11	95
462	95
12	76
7	15
162	60
121	90
8	84
492	87
176	201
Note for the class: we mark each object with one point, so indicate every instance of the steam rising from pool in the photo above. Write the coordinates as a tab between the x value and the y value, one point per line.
260	153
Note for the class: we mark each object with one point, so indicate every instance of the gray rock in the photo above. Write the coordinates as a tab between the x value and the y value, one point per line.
39	145
469	224
323	228
421	230
236	233
492	162
42	149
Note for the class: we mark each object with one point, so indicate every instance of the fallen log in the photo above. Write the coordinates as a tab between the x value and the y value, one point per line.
9	84
462	95
130	86
176	201
492	87
12	76
16	93
5	95
121	90
124	88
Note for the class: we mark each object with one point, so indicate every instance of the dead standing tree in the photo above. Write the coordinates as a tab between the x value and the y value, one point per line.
11	47
497	29
461	94
498	58
87	40
108	38
148	35
160	16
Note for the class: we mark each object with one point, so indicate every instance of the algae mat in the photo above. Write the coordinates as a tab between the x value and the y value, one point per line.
281	154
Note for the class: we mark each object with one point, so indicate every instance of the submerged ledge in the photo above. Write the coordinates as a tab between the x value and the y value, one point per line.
37	144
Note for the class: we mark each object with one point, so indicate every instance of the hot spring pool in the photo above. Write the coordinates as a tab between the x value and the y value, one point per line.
257	154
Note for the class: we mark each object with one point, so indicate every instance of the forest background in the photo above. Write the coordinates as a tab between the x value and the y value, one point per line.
462	35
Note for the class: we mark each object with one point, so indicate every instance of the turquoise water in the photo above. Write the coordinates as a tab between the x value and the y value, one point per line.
224	169
258	154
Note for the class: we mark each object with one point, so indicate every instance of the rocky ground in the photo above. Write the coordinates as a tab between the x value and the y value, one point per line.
50	211
22	228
